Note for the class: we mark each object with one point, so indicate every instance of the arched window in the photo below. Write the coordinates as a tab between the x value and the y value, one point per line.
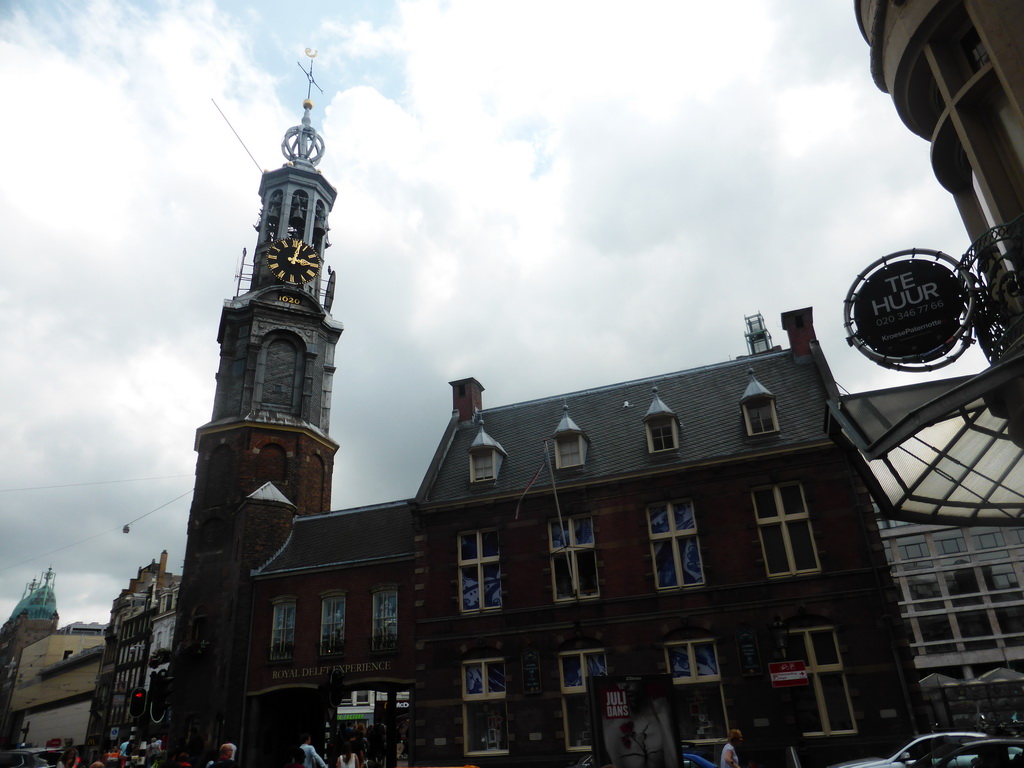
298	211
271	464
218	476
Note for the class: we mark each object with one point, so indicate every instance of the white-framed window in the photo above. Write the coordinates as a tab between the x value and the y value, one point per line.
785	530
282	636
573	558
332	624
571	451
479	571
823	707
484	464
483	706
760	417
674	545
576	668
662	434
697	682
384	635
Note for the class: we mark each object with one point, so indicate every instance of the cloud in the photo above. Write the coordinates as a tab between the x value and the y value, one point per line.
547	197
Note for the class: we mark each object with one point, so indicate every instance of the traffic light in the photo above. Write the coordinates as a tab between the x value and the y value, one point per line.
160	687
335	687
137	702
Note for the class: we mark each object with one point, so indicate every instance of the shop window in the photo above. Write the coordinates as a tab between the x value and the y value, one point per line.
700	703
483	705
823	706
576	668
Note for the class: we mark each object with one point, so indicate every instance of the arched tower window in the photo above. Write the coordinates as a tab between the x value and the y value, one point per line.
271	464
218	477
298	212
282	376
320	227
273	215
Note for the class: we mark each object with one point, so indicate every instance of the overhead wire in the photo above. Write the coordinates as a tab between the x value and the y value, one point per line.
95	535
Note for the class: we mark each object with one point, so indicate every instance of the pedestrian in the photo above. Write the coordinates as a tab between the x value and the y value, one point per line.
226	756
310	759
69	759
348	758
730	758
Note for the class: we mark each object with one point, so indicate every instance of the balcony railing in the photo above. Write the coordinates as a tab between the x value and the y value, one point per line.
384	642
335	646
281	652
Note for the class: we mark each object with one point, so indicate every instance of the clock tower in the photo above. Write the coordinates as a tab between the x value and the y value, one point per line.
266	454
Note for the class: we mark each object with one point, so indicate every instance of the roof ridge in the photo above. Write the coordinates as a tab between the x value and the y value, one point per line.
746	360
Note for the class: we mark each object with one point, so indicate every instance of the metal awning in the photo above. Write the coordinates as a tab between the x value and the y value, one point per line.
938	452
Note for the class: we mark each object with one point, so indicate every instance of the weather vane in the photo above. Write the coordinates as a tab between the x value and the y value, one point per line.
309	73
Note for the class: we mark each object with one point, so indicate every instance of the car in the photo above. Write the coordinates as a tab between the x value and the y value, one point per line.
913	750
50	755
21	758
982	753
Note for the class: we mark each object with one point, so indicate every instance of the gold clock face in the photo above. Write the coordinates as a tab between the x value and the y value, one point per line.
292	261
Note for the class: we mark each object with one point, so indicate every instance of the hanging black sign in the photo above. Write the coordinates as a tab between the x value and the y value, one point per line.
909	309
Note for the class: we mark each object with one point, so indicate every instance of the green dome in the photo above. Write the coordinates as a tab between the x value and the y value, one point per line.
39	601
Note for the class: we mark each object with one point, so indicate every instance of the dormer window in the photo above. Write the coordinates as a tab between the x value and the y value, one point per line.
570	443
482	465
485	456
662	426
758	405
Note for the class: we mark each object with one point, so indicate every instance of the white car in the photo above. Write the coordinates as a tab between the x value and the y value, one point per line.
913	750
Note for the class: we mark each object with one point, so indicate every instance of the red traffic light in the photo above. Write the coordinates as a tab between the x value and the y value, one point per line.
137	702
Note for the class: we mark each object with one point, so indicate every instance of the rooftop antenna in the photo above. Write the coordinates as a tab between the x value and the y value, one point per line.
309	73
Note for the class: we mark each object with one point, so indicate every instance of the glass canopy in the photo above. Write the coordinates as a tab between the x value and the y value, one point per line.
938	452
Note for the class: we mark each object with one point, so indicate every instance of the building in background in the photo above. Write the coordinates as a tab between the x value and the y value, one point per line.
955	71
126	659
33	618
55	686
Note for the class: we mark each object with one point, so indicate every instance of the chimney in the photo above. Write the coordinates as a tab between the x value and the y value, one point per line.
799	324
467	398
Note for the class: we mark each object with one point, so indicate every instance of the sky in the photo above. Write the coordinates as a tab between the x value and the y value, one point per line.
546	196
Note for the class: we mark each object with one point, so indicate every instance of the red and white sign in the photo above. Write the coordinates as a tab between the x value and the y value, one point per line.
786	674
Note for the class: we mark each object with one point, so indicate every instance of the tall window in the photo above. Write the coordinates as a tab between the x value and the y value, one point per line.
573	559
785	530
823	706
483	704
332	625
576	668
673	531
385	620
282	638
478	565
698	688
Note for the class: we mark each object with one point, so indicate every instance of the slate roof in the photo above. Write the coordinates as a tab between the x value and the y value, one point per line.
344	538
706	402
